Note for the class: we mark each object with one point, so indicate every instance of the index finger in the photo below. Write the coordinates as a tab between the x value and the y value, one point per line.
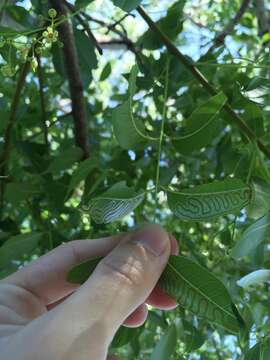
46	276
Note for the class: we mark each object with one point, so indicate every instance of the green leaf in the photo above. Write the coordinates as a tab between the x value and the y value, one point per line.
209	200
129	132
127	5
80	273
58	60
82	3
87	56
193	339
260	202
106	72
17	246
254	278
199	291
165	348
201	126
252	237
261	351
18	192
124	335
171	25
81	173
113	204
65	160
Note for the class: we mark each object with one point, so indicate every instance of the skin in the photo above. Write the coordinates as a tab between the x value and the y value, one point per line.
43	317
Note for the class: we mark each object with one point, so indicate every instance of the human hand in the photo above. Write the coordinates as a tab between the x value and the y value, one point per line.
42	317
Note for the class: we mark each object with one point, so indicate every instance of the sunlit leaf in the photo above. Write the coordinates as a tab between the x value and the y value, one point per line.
199	291
201	126
129	132
252	237
254	278
113	204
209	200
260	201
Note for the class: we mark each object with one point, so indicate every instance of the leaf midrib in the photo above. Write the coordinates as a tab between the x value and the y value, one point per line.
198	290
208	194
118	199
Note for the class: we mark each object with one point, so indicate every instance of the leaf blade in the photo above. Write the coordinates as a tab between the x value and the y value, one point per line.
200	292
252	237
209	200
166	345
114	204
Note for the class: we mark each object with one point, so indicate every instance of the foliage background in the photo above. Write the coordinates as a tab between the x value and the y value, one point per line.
46	131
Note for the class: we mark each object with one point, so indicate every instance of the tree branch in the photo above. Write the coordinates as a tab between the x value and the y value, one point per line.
85	26
74	78
263	20
42	101
219	39
112	28
236	119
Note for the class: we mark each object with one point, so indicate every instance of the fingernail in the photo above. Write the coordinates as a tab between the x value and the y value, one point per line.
174	245
154	239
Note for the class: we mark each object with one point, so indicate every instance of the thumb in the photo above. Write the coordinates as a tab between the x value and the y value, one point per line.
123	280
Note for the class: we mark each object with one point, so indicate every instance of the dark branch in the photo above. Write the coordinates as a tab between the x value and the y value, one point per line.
112	28
74	78
85	26
236	119
263	20
219	40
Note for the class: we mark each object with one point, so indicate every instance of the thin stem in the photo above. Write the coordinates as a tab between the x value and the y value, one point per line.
86	27
42	101
219	39
164	116
4	157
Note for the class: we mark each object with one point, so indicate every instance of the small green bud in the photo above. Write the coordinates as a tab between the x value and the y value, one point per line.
52	13
60	44
2	43
34	64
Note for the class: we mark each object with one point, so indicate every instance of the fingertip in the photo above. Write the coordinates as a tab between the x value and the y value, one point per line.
174	245
160	300
137	318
